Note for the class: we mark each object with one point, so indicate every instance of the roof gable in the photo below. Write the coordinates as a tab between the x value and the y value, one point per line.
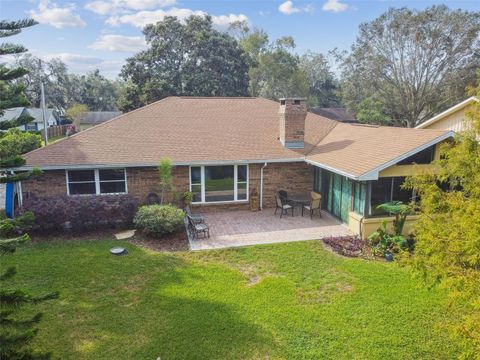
448	112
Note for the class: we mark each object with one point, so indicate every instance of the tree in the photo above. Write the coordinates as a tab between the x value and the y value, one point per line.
75	113
274	70
62	89
165	174
447	247
16	142
415	62
15	333
372	111
189	59
323	86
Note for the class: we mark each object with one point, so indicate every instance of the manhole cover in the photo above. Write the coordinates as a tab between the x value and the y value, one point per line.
118	251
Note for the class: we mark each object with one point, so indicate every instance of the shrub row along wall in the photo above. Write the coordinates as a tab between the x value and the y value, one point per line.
80	212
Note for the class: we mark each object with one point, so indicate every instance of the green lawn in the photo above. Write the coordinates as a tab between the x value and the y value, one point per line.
284	301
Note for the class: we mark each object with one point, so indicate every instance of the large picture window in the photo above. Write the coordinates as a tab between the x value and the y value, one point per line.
221	183
96	182
388	189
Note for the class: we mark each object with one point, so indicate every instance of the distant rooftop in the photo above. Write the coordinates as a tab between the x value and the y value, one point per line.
98	117
338	114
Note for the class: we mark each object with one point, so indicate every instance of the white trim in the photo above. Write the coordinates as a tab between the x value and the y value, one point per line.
235	184
373	174
332	169
96	175
140	165
447	112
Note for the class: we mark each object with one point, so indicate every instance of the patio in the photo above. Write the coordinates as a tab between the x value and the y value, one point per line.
243	228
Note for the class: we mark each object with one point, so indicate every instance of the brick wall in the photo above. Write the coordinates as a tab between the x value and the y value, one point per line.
143	181
296	178
49	183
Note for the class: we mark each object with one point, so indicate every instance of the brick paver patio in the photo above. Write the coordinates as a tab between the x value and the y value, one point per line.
242	228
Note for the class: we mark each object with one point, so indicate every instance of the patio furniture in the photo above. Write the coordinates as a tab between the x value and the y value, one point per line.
198	219
315	204
283	196
282	205
198	228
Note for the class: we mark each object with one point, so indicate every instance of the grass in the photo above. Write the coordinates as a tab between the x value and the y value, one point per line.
283	301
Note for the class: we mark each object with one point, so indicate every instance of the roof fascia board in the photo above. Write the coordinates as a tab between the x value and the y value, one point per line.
332	169
175	163
447	112
373	174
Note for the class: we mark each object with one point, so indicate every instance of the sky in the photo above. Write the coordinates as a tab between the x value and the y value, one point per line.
101	34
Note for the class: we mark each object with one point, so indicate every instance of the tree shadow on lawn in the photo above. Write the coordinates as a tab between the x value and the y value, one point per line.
199	329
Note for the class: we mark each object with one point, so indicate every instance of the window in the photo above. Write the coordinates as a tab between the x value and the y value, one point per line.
96	182
31	126
221	183
388	189
425	156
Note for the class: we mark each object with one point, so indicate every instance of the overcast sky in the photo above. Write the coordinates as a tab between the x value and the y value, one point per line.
101	34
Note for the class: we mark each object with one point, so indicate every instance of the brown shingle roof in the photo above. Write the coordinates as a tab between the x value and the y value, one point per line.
200	130
359	149
184	129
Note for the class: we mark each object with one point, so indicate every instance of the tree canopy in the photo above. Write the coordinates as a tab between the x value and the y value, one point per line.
414	62
188	58
447	247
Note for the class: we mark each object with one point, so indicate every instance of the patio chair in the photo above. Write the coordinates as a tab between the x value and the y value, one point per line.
198	228
282	205
198	219
283	196
315	204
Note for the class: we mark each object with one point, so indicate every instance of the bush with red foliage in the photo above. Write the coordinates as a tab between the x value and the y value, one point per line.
351	246
80	213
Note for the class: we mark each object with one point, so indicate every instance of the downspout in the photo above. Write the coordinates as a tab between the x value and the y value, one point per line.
261	185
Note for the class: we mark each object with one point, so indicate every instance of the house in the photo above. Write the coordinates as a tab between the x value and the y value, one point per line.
92	118
453	118
53	118
224	149
338	114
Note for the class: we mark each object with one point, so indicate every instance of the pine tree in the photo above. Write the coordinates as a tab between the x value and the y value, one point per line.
15	332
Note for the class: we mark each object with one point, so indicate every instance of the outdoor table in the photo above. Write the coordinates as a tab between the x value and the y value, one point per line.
299	201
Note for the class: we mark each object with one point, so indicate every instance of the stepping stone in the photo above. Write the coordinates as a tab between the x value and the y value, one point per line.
125	234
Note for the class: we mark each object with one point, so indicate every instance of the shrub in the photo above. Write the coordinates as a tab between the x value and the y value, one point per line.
158	220
83	212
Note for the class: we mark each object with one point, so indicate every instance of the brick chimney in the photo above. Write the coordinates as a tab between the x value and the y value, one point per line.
292	113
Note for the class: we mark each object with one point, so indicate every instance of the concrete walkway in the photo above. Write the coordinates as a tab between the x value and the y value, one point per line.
243	228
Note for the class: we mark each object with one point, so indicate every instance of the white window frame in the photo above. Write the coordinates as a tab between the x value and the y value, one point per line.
235	183
96	173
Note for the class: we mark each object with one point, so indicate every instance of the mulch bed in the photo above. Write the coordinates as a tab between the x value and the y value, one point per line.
176	241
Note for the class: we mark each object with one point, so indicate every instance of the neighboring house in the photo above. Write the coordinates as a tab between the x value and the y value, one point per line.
338	114
93	118
224	149
52	116
453	118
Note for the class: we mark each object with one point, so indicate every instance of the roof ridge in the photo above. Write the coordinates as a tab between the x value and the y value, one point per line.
99	125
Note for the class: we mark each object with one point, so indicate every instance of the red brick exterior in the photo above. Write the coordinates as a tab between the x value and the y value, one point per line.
296	178
292	120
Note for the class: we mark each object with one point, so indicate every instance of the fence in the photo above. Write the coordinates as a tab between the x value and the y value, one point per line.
54	131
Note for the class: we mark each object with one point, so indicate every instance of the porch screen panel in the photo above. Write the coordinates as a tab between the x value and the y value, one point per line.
359	198
330	194
337	194
346	204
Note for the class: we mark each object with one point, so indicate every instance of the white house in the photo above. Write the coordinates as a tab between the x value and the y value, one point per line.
36	124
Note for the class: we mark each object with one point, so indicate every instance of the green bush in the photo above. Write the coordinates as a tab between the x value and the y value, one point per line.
158	220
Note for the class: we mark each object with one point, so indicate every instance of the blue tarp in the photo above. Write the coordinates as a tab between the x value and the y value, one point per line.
9	200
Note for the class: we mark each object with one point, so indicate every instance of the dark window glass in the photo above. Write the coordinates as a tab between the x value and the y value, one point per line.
195	175
81	175
242	173
219	183
381	193
425	156
400	194
112	187
81	188
112	174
